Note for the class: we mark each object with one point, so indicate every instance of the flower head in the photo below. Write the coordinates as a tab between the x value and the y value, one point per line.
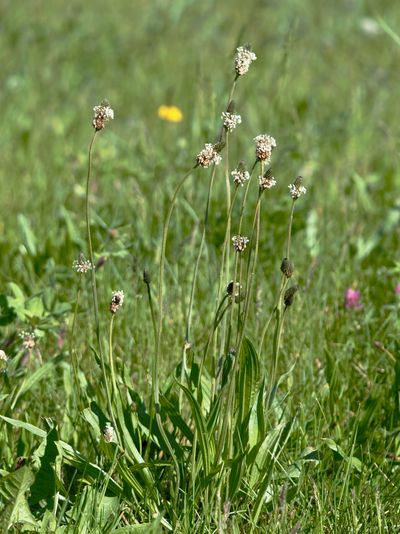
297	189
240	242
264	145
240	174
244	58
117	299
352	299
267	181
109	433
397	289
170	113
230	120
28	340
102	114
81	265
209	155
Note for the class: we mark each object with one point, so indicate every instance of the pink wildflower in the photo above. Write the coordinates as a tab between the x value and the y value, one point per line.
352	299
397	289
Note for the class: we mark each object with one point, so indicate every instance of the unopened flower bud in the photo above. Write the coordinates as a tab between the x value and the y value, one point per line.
229	288
287	267
289	295
146	277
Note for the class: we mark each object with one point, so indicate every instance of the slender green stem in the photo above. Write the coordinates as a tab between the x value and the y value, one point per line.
228	201
217	319
110	352
72	352
93	279
289	238
153	317
161	275
227	415
275	353
195	273
156	392
254	244
89	237
199	254
280	312
283	282
151	401
114	390
250	273
230	321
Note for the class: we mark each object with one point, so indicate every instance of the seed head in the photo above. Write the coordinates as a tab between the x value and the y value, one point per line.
109	433
240	174
102	114
287	267
297	189
244	58
117	299
264	146
267	181
230	120
289	295
81	265
240	242
209	155
28	340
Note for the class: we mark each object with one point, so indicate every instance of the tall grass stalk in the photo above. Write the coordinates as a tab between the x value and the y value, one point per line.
226	418
282	284
89	238
155	370
279	312
72	352
93	281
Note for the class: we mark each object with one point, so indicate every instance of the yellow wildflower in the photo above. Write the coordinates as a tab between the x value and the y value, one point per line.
170	113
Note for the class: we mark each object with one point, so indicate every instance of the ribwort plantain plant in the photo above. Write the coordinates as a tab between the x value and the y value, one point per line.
201	453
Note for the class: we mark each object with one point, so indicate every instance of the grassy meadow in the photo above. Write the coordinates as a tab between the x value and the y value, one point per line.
271	404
